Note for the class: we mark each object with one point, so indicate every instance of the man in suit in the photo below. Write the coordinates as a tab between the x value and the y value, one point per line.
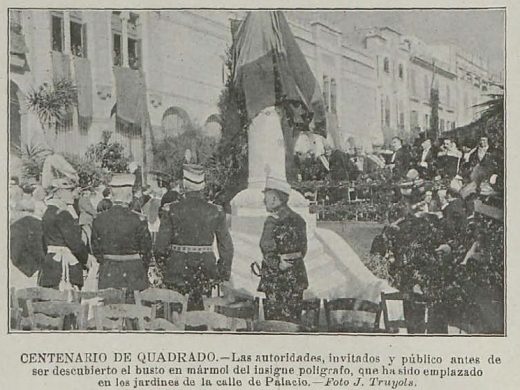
121	241
400	161
184	242
449	159
483	158
283	244
426	161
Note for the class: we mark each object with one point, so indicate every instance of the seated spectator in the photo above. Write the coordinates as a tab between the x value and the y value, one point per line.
426	160
449	159
401	158
339	163
483	157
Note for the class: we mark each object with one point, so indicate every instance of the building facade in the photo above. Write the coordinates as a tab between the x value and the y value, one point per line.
375	86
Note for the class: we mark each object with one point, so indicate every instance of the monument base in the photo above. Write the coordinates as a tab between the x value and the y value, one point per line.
334	270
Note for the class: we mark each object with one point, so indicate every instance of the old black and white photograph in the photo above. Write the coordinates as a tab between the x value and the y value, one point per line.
318	171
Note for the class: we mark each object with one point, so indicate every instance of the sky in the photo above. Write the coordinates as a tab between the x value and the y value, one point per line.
477	31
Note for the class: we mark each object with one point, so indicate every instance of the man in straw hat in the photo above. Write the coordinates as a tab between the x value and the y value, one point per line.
283	244
67	255
121	241
185	239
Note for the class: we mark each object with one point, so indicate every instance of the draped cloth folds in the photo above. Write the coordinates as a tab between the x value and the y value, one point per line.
60	66
83	75
130	99
269	67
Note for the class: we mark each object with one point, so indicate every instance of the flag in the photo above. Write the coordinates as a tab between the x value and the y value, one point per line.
270	68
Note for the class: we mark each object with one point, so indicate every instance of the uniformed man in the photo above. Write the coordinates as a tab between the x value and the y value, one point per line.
121	241
283	245
185	238
67	255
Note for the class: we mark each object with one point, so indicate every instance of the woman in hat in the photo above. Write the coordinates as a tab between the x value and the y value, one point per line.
66	253
283	245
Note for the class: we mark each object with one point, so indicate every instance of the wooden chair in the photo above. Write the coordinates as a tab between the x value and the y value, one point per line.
393	325
15	312
206	320
172	303
51	315
310	314
273	326
108	296
121	317
246	309
310	317
20	298
352	315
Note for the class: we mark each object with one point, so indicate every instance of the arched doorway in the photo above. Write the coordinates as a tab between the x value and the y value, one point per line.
213	126
175	121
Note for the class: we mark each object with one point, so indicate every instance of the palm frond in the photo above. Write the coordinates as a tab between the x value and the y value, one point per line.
51	102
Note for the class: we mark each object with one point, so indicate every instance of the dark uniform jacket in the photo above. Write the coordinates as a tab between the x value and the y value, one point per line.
121	231
26	239
61	229
194	222
283	233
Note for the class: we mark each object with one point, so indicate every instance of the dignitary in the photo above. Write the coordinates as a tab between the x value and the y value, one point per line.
283	244
185	242
121	241
427	159
400	161
67	254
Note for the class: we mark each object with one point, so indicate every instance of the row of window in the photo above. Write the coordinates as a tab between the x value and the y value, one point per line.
330	94
78	37
444	125
444	93
386	68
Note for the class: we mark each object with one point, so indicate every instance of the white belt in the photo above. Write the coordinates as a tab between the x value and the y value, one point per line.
64	255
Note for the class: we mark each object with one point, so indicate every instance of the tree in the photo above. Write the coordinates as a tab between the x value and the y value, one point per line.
169	153
108	155
52	102
33	157
228	167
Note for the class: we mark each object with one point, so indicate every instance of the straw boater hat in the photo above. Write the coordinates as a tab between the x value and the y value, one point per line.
193	177
273	183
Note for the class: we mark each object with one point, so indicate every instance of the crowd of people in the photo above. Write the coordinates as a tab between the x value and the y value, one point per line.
130	237
444	237
440	158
